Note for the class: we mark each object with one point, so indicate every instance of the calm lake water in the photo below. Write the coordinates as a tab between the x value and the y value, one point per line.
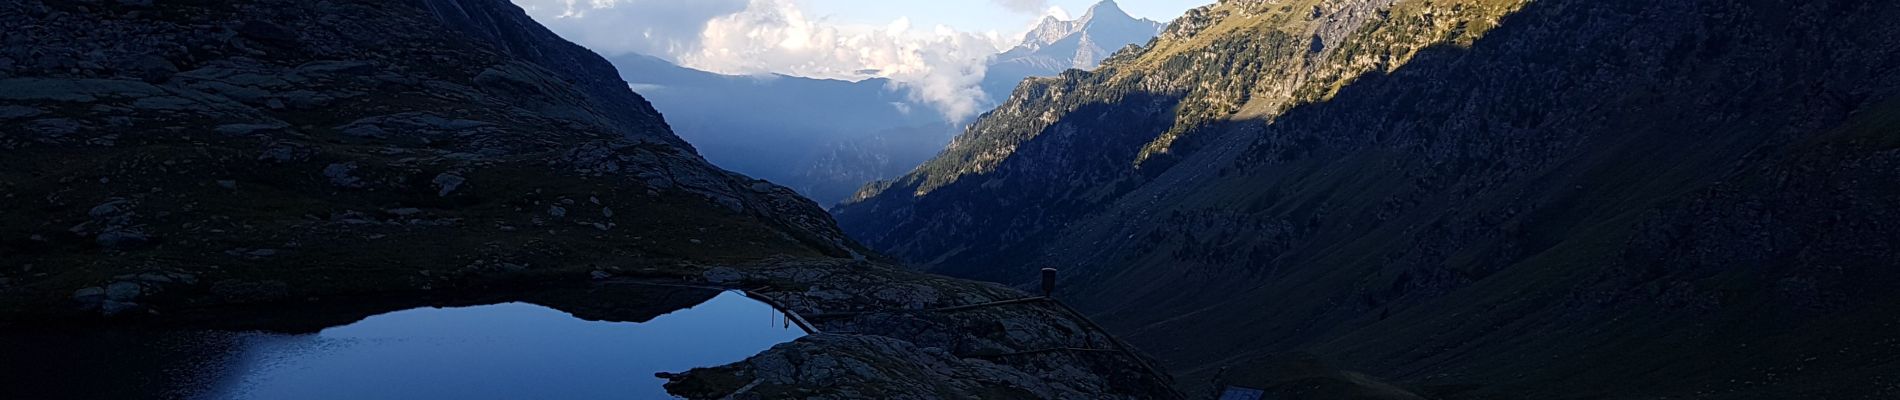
497	351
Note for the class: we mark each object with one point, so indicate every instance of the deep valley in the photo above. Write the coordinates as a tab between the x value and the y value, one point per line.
1264	199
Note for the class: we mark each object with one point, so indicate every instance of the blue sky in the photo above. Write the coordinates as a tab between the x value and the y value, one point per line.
979	15
937	49
674	28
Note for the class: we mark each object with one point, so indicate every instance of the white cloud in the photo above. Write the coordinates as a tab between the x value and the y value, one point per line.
938	66
612	27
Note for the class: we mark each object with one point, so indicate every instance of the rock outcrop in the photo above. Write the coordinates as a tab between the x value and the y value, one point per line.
884	334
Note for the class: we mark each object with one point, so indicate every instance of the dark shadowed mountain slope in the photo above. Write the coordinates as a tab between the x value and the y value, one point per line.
1478	199
173	162
496	24
267	149
822	137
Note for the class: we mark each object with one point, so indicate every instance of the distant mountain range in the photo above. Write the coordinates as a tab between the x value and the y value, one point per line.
821	137
1056	45
826	138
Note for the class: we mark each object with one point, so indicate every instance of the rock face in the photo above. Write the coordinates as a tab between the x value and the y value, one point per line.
253	144
881	339
833	366
1442	192
501	25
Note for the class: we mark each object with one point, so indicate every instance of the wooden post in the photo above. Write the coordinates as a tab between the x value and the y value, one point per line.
1048	282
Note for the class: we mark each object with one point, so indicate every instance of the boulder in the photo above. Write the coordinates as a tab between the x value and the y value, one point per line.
123	238
90	296
124	291
447	182
343	175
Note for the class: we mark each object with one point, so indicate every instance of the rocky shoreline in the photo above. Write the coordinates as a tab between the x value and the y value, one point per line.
879	341
887	344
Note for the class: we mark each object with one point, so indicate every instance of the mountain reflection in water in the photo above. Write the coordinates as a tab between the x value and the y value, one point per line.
505	350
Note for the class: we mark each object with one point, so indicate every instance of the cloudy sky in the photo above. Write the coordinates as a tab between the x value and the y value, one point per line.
1005	16
934	48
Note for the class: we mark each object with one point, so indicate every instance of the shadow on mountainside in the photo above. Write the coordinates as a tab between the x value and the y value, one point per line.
1597	199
